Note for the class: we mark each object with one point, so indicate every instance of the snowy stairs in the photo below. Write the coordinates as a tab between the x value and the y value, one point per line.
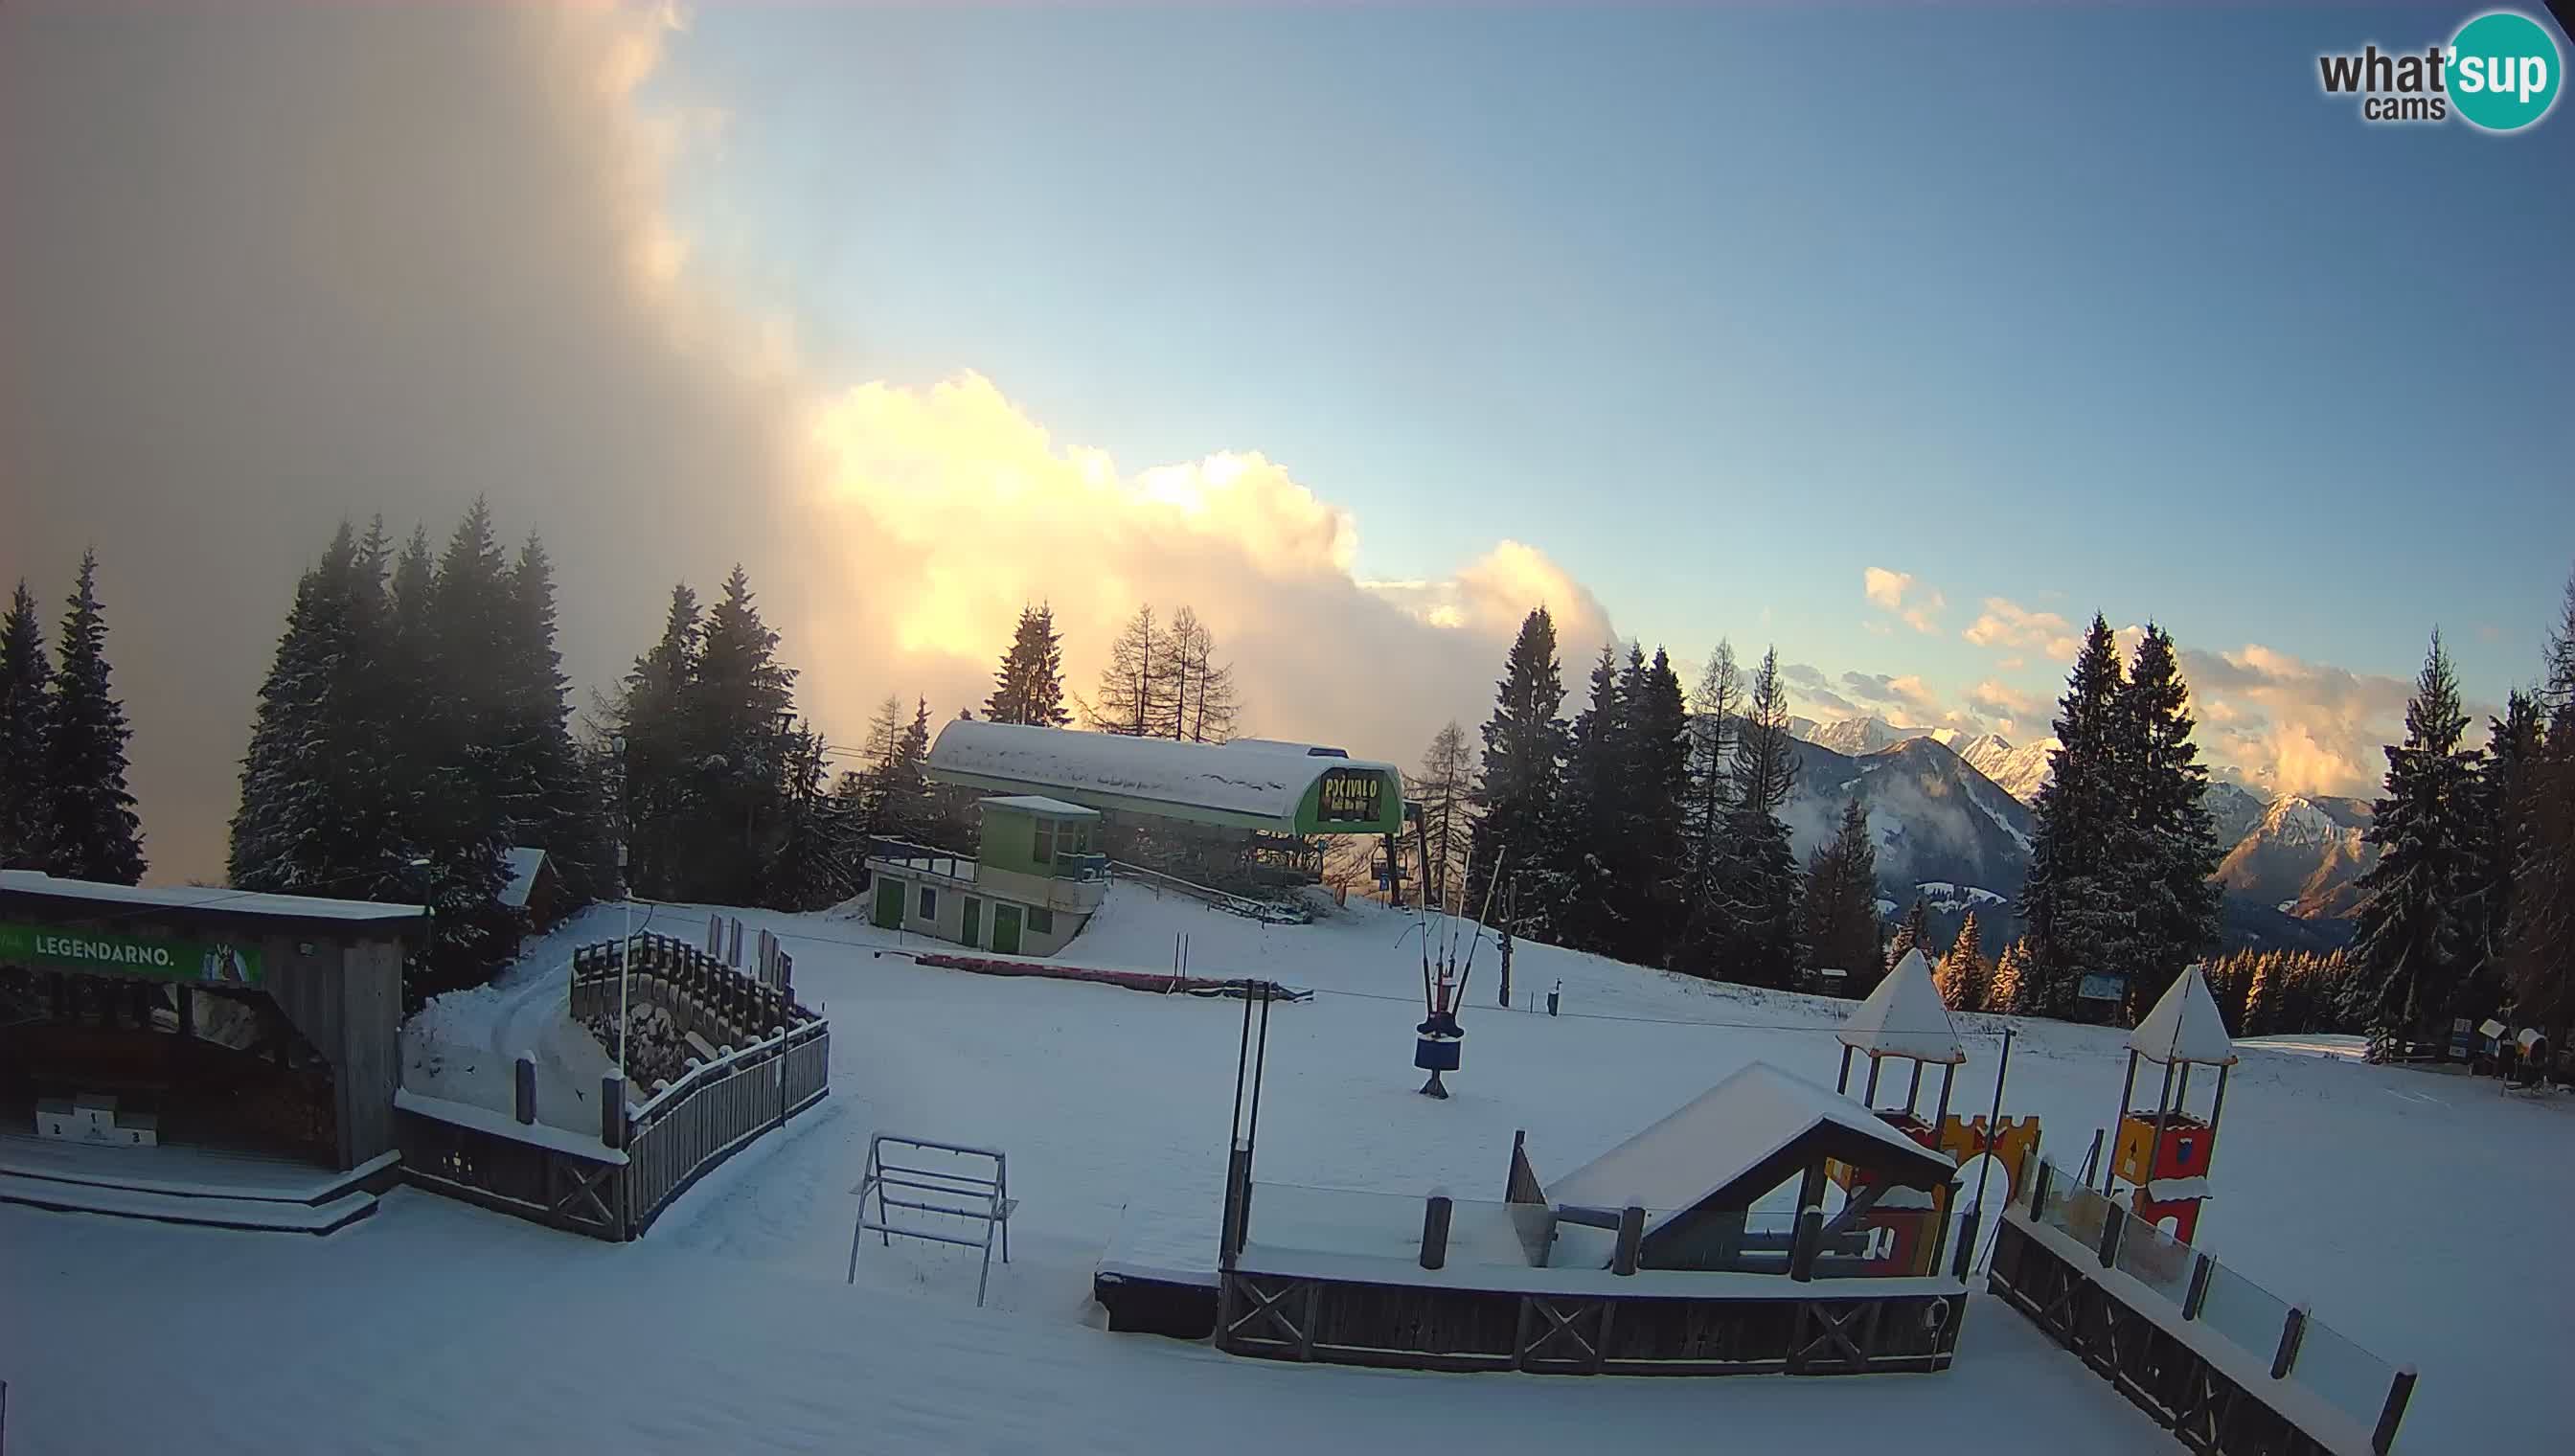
209	1189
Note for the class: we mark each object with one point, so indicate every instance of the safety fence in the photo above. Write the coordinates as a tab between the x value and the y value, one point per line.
2222	1362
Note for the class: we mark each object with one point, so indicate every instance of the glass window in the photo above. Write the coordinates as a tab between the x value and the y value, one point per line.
929	903
1040	921
1045	851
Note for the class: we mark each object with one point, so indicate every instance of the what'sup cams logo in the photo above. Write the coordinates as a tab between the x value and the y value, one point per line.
2501	72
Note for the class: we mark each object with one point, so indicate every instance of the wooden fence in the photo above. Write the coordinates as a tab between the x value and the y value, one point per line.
773	1060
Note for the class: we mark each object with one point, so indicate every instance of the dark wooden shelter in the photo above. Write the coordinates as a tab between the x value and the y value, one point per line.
105	987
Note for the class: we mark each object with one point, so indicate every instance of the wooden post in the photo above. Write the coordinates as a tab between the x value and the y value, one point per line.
2127	1089
1805	1245
2294	1331
1631	1234
1434	1232
1913	1090
2202	1267
2399	1391
1967	1244
526	1091
2114	1222
187	1010
612	1111
2039	1188
2156	1149
1842	1079
1868	1095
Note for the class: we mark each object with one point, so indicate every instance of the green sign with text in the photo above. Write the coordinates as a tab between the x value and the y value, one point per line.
59	948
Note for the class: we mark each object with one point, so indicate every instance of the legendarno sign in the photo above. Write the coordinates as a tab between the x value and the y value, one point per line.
58	948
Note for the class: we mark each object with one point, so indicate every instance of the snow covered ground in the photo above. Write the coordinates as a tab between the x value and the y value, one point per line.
2415	1211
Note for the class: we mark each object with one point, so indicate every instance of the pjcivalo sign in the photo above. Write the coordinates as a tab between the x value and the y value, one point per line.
64	949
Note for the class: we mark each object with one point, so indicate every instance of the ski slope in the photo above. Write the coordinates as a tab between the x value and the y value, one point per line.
2411	1210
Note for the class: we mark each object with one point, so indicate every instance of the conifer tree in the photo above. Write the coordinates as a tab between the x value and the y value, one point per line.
1029	685
1961	974
657	775
1657	793
2168	848
1442	789
2003	993
23	676
818	853
1841	927
2411	935
1908	934
1757	882
740	707
1523	771
91	831
550	799
1134	699
2073	898
2505	838
1708	809
2541	924
1589	834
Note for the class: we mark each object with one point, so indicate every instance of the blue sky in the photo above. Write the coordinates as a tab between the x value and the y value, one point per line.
1718	307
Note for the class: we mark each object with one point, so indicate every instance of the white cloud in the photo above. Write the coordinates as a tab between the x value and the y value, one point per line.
2000	698
2006	624
1898	593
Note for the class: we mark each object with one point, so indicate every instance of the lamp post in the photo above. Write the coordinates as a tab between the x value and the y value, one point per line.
626	899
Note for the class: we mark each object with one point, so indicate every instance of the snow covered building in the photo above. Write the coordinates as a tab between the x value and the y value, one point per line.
1249	809
1029	888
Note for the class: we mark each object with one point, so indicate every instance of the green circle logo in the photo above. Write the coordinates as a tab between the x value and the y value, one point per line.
2504	71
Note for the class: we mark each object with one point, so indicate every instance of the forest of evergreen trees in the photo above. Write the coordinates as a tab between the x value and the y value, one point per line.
64	807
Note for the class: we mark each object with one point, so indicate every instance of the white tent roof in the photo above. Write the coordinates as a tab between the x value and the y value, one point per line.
521	863
205	898
2184	1027
1235	784
1728	1131
1904	1017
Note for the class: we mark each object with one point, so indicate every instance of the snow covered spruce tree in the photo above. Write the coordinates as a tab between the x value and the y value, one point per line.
739	707
2169	846
321	811
1442	789
1757	889
1841	927
1590	831
2538	965
2506	801
23	672
657	781
819	852
1521	776
2413	932
1962	973
1707	806
1029	685
2073	901
91	832
552	799
1652	864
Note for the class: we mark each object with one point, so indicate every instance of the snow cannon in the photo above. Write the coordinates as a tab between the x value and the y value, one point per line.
1436	1049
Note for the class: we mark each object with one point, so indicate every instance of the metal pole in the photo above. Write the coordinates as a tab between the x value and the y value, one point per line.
1993	1129
1841	1080
1913	1090
2156	1149
1869	1097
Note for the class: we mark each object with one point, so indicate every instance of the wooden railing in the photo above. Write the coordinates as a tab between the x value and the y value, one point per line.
773	1061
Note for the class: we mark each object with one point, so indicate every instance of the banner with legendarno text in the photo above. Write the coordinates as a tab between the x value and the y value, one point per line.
58	948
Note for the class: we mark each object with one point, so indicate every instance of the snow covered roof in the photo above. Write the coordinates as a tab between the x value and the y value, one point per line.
521	864
2184	1027
1282	745
1250	787
1904	1017
1039	804
204	897
1728	1131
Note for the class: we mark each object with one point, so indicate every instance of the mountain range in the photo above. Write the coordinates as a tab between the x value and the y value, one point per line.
1950	813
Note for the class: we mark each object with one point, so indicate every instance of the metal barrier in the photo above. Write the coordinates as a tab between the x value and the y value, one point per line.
981	1198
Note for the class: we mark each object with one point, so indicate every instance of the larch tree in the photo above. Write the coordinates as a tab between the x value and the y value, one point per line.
1133	700
1521	775
1442	790
23	676
91	831
1196	701
2412	934
1708	806
2003	993
1029	685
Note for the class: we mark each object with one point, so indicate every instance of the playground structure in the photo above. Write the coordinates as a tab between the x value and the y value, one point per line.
2164	1156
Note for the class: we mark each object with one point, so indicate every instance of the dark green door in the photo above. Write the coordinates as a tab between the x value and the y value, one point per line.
889	904
974	921
1006	929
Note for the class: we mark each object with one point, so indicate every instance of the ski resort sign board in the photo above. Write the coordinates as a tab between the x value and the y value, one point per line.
57	949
